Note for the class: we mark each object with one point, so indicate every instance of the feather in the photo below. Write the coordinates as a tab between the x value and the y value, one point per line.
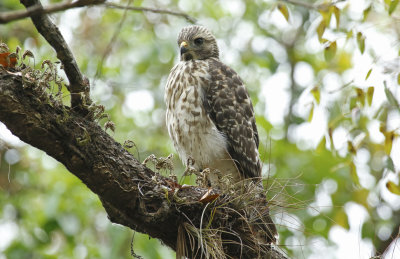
229	106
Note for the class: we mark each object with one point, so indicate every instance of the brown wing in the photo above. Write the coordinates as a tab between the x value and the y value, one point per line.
229	106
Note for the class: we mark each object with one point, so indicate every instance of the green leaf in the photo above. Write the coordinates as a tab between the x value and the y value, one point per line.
321	145
321	29
316	93
326	15
336	12
353	173
284	11
393	188
366	13
350	147
353	102
310	116
389	164
330	133
341	219
361	196
330	51
370	94
389	137
368	74
349	35
361	42
382	127
392	6
392	100
398	78
360	96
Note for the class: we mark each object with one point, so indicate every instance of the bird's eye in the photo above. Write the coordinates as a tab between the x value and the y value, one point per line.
198	41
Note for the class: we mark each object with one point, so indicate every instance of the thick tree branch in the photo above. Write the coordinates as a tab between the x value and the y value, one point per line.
7	17
132	194
79	85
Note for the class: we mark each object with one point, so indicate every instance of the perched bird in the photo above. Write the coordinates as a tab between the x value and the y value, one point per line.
210	119
210	116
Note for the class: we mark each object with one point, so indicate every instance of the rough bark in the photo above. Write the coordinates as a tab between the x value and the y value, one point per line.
132	194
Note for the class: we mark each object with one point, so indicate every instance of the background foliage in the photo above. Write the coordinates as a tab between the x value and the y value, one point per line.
324	79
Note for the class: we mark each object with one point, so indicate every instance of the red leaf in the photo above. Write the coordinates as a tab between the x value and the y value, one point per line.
6	61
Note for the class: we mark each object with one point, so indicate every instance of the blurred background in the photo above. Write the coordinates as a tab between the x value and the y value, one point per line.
324	80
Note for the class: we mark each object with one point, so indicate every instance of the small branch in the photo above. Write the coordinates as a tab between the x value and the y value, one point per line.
113	39
6	17
153	10
39	9
78	83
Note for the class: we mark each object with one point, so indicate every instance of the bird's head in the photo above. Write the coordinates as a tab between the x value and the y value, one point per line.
197	42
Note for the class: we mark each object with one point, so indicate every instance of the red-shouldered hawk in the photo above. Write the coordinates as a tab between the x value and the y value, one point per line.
210	116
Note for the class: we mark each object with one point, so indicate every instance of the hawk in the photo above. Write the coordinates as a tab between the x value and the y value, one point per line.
210	116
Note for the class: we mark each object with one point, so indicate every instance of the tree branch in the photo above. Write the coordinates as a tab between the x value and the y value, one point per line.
79	85
39	9
152	10
132	194
7	17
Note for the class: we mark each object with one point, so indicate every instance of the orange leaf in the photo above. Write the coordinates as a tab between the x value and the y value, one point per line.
284	11
208	197
7	60
173	185
393	188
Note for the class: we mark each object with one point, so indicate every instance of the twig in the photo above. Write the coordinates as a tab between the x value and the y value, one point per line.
113	39
153	10
6	17
78	83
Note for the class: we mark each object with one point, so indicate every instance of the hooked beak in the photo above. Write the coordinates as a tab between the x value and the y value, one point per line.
184	47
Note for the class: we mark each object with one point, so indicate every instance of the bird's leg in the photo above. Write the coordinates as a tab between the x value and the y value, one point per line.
226	181
165	163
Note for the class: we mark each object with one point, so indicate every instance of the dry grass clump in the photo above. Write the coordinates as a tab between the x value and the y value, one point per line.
235	225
